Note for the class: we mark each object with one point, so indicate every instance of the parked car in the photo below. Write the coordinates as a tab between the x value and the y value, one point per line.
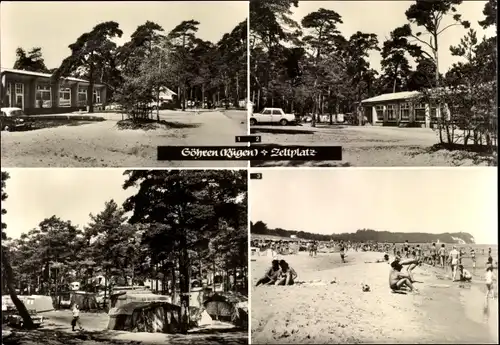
11	119
272	116
15	320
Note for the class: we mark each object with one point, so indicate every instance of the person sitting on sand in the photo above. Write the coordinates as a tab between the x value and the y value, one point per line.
398	280
465	275
287	274
385	259
271	275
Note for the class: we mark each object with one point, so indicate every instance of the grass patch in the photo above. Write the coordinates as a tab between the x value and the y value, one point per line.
149	124
458	153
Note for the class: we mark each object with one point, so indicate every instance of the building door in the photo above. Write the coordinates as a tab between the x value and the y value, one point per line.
19	100
369	115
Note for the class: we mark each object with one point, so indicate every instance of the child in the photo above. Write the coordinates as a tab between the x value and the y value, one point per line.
76	317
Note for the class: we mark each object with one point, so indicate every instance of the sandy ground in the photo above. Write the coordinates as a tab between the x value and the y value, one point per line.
367	146
101	144
324	312
57	331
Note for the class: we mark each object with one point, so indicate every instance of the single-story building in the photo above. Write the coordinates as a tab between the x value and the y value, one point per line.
400	109
35	93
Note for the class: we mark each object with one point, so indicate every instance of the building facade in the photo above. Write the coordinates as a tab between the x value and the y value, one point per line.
35	93
400	109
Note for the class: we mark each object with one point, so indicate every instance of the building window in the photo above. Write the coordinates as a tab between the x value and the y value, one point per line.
82	96
97	96
419	112
404	111
391	112
379	110
19	88
43	96
65	97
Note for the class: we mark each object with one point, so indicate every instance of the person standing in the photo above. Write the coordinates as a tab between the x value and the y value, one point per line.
454	258
406	249
473	257
76	318
442	256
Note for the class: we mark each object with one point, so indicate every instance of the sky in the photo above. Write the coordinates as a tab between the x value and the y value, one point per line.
70	194
55	25
327	201
382	17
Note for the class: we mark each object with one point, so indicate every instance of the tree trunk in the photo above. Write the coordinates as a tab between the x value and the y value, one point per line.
9	280
105	288
202	96
90	90
237	90
184	286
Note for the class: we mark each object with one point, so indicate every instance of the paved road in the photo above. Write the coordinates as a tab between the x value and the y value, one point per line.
102	144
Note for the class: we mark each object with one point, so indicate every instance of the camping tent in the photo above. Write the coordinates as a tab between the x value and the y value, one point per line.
85	300
230	307
124	297
149	317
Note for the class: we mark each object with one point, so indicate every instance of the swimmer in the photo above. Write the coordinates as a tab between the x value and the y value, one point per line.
489	282
442	255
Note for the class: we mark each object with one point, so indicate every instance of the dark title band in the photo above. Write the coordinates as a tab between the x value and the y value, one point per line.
242	153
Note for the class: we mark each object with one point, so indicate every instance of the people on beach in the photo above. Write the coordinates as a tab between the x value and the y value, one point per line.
76	317
406	248
271	275
453	258
398	280
465	275
489	281
287	274
342	252
442	256
434	256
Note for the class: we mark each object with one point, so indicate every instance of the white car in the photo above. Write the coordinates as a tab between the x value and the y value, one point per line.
11	119
272	116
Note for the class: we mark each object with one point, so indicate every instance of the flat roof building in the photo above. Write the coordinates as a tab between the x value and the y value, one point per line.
36	93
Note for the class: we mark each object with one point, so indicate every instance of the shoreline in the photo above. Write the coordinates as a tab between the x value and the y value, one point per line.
343	313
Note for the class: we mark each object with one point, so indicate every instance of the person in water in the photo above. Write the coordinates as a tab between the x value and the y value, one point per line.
287	274
398	280
272	274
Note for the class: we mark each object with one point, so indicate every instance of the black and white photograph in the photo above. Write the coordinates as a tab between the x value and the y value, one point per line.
103	84
394	83
377	256
107	256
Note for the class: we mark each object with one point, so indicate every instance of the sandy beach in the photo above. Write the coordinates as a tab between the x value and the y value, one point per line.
320	311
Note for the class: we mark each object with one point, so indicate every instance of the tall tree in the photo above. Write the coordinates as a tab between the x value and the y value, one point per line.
93	51
182	39
31	61
8	274
429	15
189	207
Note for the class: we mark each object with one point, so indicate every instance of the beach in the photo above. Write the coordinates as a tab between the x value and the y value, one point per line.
322	311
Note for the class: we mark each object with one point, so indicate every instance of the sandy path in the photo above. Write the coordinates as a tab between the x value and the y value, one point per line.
343	313
367	146
101	144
